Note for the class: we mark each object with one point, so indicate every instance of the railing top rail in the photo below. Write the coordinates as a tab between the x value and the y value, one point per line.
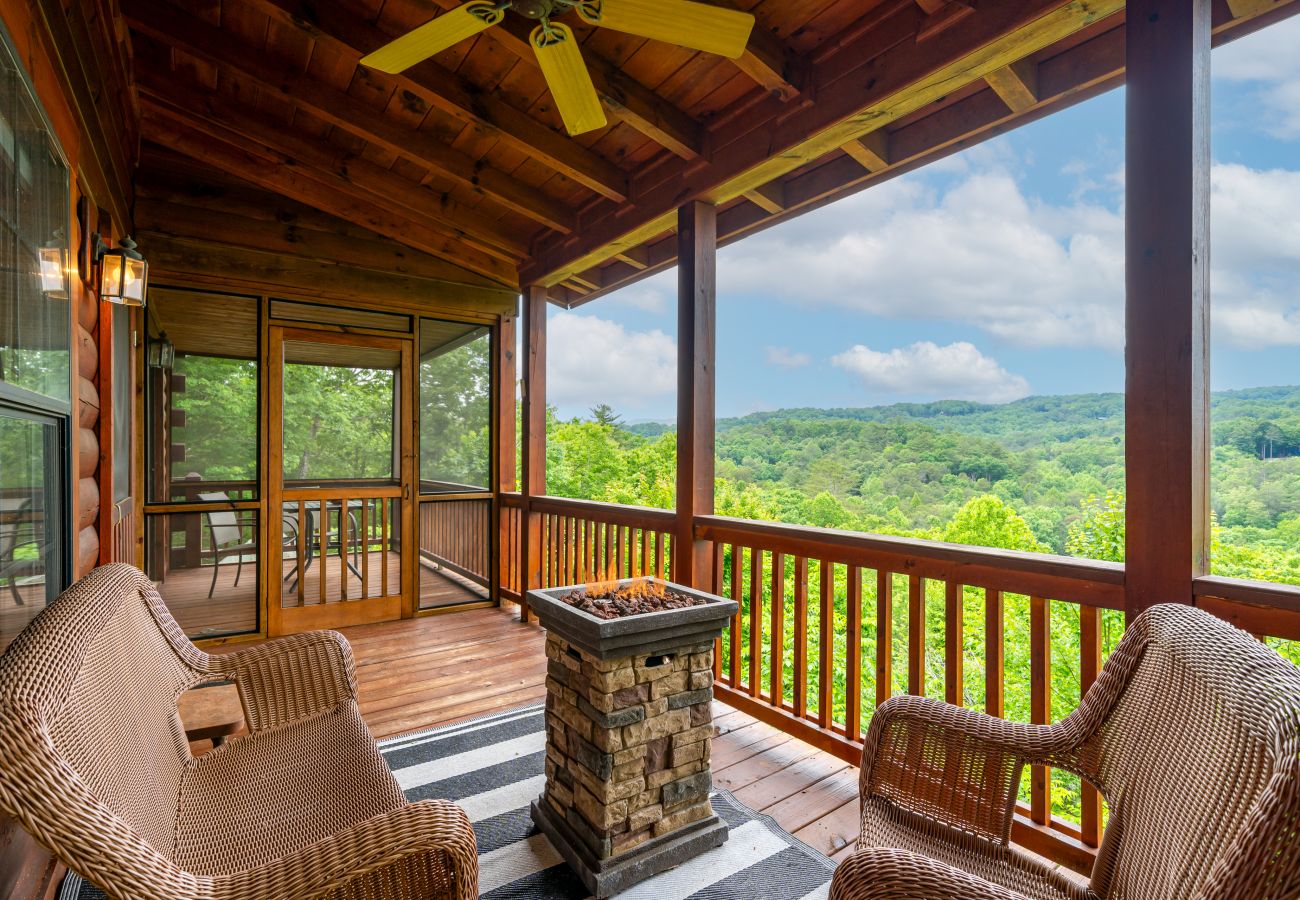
1260	593
615	513
1057	577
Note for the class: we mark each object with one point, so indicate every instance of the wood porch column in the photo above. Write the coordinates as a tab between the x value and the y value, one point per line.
1167	245
697	244
533	423
504	410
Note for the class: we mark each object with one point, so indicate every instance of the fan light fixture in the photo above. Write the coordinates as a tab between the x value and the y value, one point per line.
697	26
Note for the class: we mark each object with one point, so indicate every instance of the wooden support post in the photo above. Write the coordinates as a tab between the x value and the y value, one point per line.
697	243
504	408
533	423
1167	244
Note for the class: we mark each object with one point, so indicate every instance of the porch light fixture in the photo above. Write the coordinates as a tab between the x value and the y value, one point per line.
123	273
162	353
54	273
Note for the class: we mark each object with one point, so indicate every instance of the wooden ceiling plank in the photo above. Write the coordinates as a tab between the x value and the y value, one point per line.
1016	84
865	95
222	120
354	37
338	108
289	179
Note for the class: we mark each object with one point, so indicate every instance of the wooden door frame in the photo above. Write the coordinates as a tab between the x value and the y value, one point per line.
348	612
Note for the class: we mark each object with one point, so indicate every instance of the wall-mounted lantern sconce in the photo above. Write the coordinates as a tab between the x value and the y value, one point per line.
54	273
123	273
162	353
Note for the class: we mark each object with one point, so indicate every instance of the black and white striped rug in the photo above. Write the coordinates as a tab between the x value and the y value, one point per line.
493	768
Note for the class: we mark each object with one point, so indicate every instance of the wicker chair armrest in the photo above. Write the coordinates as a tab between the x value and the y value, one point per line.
290	678
886	874
949	764
427	846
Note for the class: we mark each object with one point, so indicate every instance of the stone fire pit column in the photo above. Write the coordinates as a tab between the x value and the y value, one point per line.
629	723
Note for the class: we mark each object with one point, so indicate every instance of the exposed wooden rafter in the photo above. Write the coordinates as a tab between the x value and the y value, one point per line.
1016	84
193	136
196	37
352	37
871	150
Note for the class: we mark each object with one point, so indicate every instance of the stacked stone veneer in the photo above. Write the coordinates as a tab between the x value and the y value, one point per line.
627	743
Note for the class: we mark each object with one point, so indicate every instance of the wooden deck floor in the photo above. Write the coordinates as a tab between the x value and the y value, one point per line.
422	673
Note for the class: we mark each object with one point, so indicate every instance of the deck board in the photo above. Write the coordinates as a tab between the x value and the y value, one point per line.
422	673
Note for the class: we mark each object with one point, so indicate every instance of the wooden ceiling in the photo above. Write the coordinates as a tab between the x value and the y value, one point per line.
464	158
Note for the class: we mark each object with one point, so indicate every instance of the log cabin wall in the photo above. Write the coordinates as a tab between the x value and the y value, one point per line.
75	57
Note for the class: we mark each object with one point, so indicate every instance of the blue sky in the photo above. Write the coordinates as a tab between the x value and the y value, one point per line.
991	275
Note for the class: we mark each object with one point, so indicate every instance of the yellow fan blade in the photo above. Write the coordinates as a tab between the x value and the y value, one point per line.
433	37
566	74
682	22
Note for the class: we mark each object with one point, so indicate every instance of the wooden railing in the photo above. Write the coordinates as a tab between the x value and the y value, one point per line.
349	536
584	541
454	536
832	623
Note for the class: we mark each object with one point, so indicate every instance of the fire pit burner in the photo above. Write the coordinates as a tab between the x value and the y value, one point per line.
629	723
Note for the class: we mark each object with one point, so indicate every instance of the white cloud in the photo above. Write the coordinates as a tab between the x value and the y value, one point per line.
1030	273
958	371
980	254
1268	62
786	358
593	360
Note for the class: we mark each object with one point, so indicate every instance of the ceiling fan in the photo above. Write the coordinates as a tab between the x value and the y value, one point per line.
698	26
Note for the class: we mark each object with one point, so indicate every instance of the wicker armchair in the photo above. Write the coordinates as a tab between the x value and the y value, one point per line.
1192	733
94	764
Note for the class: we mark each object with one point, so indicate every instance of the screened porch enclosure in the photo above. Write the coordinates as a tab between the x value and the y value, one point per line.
282	485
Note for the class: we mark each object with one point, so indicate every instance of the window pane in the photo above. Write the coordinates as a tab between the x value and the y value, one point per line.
204	565
455	407
34	324
31	521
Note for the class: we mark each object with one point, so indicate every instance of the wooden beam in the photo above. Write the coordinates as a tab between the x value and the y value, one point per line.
1016	84
871	150
225	119
377	253
352	37
696	351
1243	9
771	65
769	197
187	259
287	177
1167	355
533	457
194	36
860	87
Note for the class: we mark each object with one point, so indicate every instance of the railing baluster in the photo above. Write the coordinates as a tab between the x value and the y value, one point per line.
884	636
755	622
383	537
659	554
715	588
800	636
994	654
853	656
825	643
1089	668
298	545
322	532
916	635
737	577
343	548
1040	702
953	643
777	675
